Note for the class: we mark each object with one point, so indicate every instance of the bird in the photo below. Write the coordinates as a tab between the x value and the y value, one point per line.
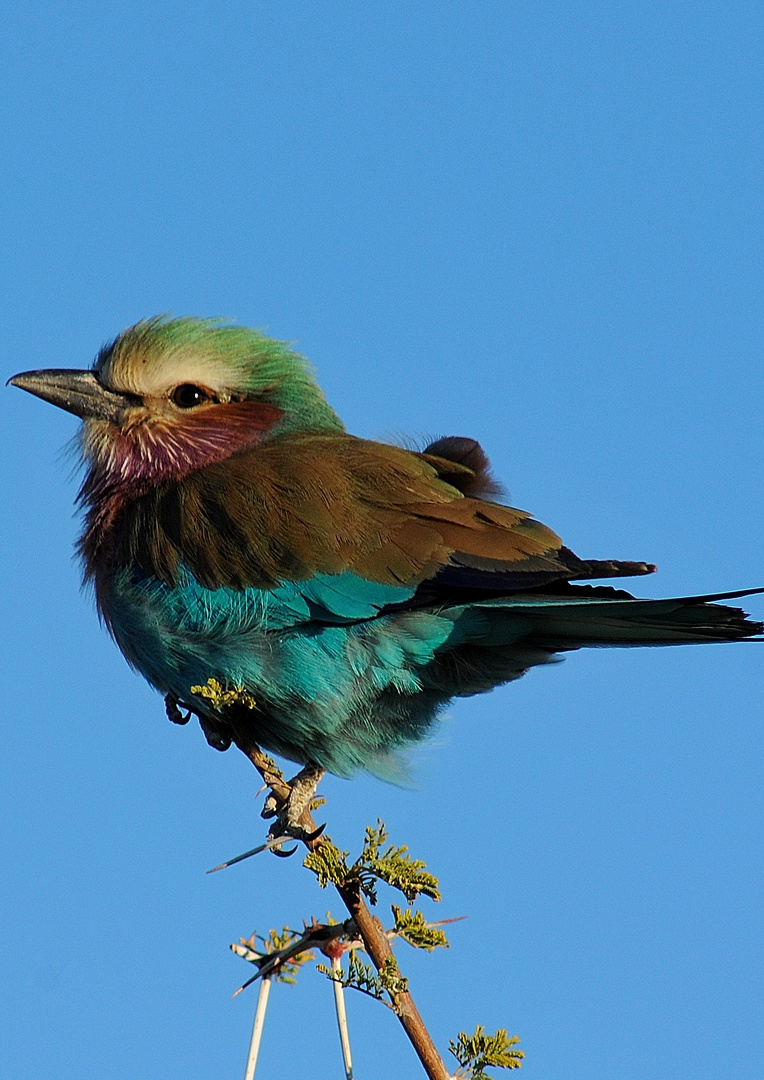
235	531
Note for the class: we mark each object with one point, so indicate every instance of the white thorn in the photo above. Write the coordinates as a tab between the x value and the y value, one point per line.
342	1020
257	1029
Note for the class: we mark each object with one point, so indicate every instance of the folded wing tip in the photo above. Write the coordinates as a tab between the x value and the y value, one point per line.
605	568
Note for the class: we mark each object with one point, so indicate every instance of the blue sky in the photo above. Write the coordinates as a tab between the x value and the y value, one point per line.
537	224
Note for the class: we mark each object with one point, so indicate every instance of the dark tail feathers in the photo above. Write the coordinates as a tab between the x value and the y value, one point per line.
565	623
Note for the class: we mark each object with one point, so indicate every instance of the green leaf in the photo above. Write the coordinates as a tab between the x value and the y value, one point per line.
257	949
363	977
475	1053
412	927
328	863
394	866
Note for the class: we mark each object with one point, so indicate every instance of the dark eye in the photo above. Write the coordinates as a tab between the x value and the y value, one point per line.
186	396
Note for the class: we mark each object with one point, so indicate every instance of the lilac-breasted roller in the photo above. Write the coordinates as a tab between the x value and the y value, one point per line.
234	530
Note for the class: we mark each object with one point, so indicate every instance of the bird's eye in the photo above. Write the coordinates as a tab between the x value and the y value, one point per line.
186	396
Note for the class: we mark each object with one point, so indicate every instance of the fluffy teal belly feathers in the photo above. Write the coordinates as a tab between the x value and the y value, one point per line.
235	531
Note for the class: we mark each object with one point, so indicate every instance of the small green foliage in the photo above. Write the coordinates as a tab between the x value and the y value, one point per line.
363	977
412	927
277	942
222	698
257	949
391	978
475	1053
394	866
328	863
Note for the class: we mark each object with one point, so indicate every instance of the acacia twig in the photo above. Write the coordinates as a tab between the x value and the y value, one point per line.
370	929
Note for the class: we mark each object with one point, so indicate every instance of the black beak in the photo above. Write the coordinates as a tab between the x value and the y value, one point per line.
78	392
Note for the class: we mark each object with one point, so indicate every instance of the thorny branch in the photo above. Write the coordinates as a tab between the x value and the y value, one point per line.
370	929
355	884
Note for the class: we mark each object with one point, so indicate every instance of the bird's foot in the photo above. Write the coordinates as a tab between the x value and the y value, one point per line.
286	814
173	709
218	734
302	789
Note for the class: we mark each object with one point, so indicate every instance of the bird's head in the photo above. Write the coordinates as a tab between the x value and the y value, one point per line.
169	396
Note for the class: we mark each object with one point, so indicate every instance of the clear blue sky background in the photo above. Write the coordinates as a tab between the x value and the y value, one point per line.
539	224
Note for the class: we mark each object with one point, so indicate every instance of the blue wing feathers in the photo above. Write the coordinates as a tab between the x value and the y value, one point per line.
342	679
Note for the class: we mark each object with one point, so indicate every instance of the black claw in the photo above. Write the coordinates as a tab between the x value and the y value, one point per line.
281	854
216	736
174	713
218	741
296	832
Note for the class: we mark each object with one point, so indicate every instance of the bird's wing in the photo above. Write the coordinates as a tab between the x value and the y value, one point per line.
355	525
